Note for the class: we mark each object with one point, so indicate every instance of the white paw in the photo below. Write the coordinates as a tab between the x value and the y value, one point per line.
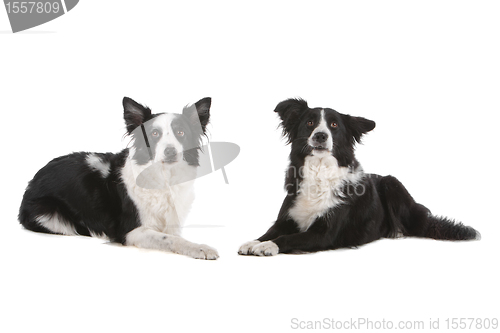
246	248
202	251
267	248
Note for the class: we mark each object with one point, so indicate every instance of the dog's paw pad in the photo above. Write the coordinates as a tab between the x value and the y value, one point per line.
267	248
247	247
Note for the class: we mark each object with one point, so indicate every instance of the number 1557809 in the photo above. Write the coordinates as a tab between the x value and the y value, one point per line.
25	7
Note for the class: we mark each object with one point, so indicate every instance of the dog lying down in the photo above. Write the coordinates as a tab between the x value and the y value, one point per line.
331	203
139	196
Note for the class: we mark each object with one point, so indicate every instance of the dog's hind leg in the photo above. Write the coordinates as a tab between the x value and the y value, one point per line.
151	239
49	215
404	215
36	223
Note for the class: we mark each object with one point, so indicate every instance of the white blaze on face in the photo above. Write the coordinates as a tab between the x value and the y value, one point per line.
168	138
322	127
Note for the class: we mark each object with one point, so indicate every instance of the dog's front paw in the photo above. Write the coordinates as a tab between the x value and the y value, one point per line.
202	251
247	247
267	248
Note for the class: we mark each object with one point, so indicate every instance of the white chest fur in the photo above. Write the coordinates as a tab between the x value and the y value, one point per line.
163	209
320	189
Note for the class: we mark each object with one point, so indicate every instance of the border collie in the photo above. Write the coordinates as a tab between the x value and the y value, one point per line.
331	203
139	196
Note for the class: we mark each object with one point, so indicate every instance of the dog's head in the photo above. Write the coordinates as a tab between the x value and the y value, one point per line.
165	137
319	131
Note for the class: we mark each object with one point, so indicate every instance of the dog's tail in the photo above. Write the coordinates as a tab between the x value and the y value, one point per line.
423	224
406	216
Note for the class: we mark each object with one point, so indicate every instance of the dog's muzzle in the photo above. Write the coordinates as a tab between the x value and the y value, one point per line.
170	154
319	141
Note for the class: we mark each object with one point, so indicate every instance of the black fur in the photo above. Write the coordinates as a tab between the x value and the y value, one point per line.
91	203
374	207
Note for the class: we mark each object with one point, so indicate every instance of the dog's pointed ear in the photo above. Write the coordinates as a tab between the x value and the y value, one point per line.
288	111
134	113
359	126
199	113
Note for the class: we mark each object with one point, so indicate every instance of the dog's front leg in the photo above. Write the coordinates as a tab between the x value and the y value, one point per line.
279	228
318	237
151	239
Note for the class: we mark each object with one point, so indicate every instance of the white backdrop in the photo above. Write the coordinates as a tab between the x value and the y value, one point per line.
427	72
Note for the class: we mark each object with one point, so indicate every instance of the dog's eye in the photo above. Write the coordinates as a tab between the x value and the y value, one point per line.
334	125
180	133
310	123
155	134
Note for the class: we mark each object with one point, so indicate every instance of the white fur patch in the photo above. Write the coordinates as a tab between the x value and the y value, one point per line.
163	194
247	247
320	189
322	127
56	224
97	164
100	236
267	248
168	137
162	208
151	239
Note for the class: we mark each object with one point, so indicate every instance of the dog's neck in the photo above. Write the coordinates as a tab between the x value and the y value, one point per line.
322	188
320	168
159	175
161	204
322	171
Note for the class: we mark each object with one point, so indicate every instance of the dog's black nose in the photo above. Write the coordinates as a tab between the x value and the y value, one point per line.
320	137
170	152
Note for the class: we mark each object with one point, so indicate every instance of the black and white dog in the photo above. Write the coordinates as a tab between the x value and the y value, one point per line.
140	196
331	203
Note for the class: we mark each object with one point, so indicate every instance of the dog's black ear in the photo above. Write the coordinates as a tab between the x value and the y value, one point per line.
134	113
358	126
199	113
289	111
